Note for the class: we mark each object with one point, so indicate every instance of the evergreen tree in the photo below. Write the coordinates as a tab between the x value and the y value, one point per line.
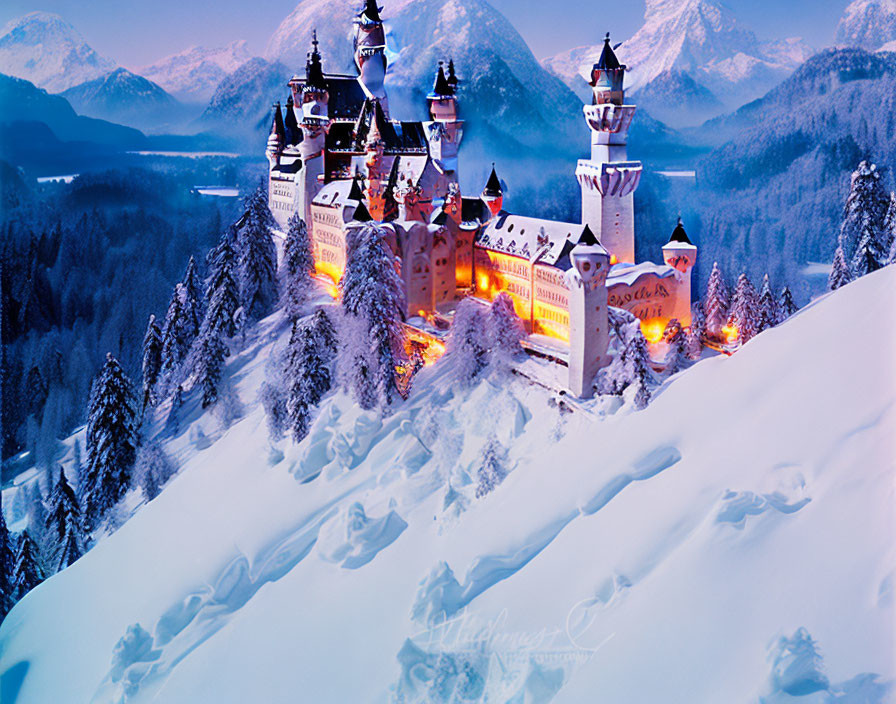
153	469
768	306
65	531
298	265
716	302
863	220
636	366
172	422
7	562
27	572
676	357
222	290
312	349
468	343
840	273
152	360
257	258
373	294
786	306
696	332
193	309
492	468
176	333
37	512
506	327
745	309
208	364
111	441
889	242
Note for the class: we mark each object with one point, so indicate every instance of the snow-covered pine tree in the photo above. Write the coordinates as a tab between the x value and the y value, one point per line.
65	529
208	357
111	442
153	469
37	512
870	255
172	422
152	360
636	365
310	355
193	304
506	329
492	469
373	293
468	343
176	333
7	562
676	357
257	258
696	332
27	572
298	264
221	288
786	306
863	218
745	309
716	302
840	273
768	306
889	243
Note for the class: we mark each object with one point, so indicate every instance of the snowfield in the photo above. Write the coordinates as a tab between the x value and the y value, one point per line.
690	552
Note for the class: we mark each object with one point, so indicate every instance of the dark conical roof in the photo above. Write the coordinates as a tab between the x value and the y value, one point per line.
679	235
493	185
587	237
314	72
441	87
371	11
293	135
608	60
277	123
452	77
356	192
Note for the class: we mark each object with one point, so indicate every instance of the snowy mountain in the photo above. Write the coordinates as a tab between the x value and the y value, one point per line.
193	75
868	24
507	97
126	98
46	50
732	542
700	39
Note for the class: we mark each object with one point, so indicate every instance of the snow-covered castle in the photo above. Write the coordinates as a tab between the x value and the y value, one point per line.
339	159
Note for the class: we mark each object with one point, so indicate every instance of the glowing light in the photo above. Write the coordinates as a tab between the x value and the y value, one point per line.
482	283
730	332
653	329
613	259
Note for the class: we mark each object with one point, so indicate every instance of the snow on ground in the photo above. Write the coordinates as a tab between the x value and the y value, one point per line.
730	543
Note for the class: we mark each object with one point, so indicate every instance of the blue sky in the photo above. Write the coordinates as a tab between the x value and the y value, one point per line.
134	33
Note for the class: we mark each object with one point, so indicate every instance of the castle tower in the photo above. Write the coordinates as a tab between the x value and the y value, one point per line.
493	193
609	179
370	52
314	125
276	139
588	321
681	254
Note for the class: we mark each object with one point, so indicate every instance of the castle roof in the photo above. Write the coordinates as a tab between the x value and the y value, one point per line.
314	73
277	122
540	241
291	124
346	95
371	122
607	60
493	185
371	12
679	235
452	77
441	87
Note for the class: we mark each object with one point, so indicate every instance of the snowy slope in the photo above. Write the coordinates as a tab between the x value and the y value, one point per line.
868	24
668	555
46	50
193	74
698	37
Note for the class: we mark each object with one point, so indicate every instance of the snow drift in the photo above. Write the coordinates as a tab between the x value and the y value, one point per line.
732	542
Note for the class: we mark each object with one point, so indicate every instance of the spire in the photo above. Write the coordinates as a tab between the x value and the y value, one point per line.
679	235
390	207
587	237
356	193
608	60
371	12
314	73
441	87
493	185
277	123
452	77
291	123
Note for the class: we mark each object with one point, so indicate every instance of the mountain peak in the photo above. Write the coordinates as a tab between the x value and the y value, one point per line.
868	24
48	51
193	74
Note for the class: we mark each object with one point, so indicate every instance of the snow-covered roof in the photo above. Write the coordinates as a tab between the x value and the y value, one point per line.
335	194
543	241
628	274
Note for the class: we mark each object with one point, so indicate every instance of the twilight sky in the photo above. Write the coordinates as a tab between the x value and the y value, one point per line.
136	33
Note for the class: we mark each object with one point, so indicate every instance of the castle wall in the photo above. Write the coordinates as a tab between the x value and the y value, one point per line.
328	242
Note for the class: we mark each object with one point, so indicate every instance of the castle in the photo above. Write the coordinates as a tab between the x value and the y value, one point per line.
340	160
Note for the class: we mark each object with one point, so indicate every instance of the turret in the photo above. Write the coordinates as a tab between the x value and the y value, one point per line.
370	52
588	318
290	123
276	139
493	193
442	100
609	179
681	254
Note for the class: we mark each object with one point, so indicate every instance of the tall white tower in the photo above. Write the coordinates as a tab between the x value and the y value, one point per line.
370	52
609	179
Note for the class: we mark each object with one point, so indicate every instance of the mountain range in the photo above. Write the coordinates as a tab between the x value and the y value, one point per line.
869	24
193	74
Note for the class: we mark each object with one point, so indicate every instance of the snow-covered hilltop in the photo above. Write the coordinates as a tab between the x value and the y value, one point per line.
729	543
701	40
193	74
46	50
868	24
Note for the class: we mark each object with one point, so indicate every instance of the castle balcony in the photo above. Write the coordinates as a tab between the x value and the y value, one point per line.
608	117
618	178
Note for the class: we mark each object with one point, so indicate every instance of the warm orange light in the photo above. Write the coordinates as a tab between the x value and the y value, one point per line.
613	260
653	329
730	332
482	283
